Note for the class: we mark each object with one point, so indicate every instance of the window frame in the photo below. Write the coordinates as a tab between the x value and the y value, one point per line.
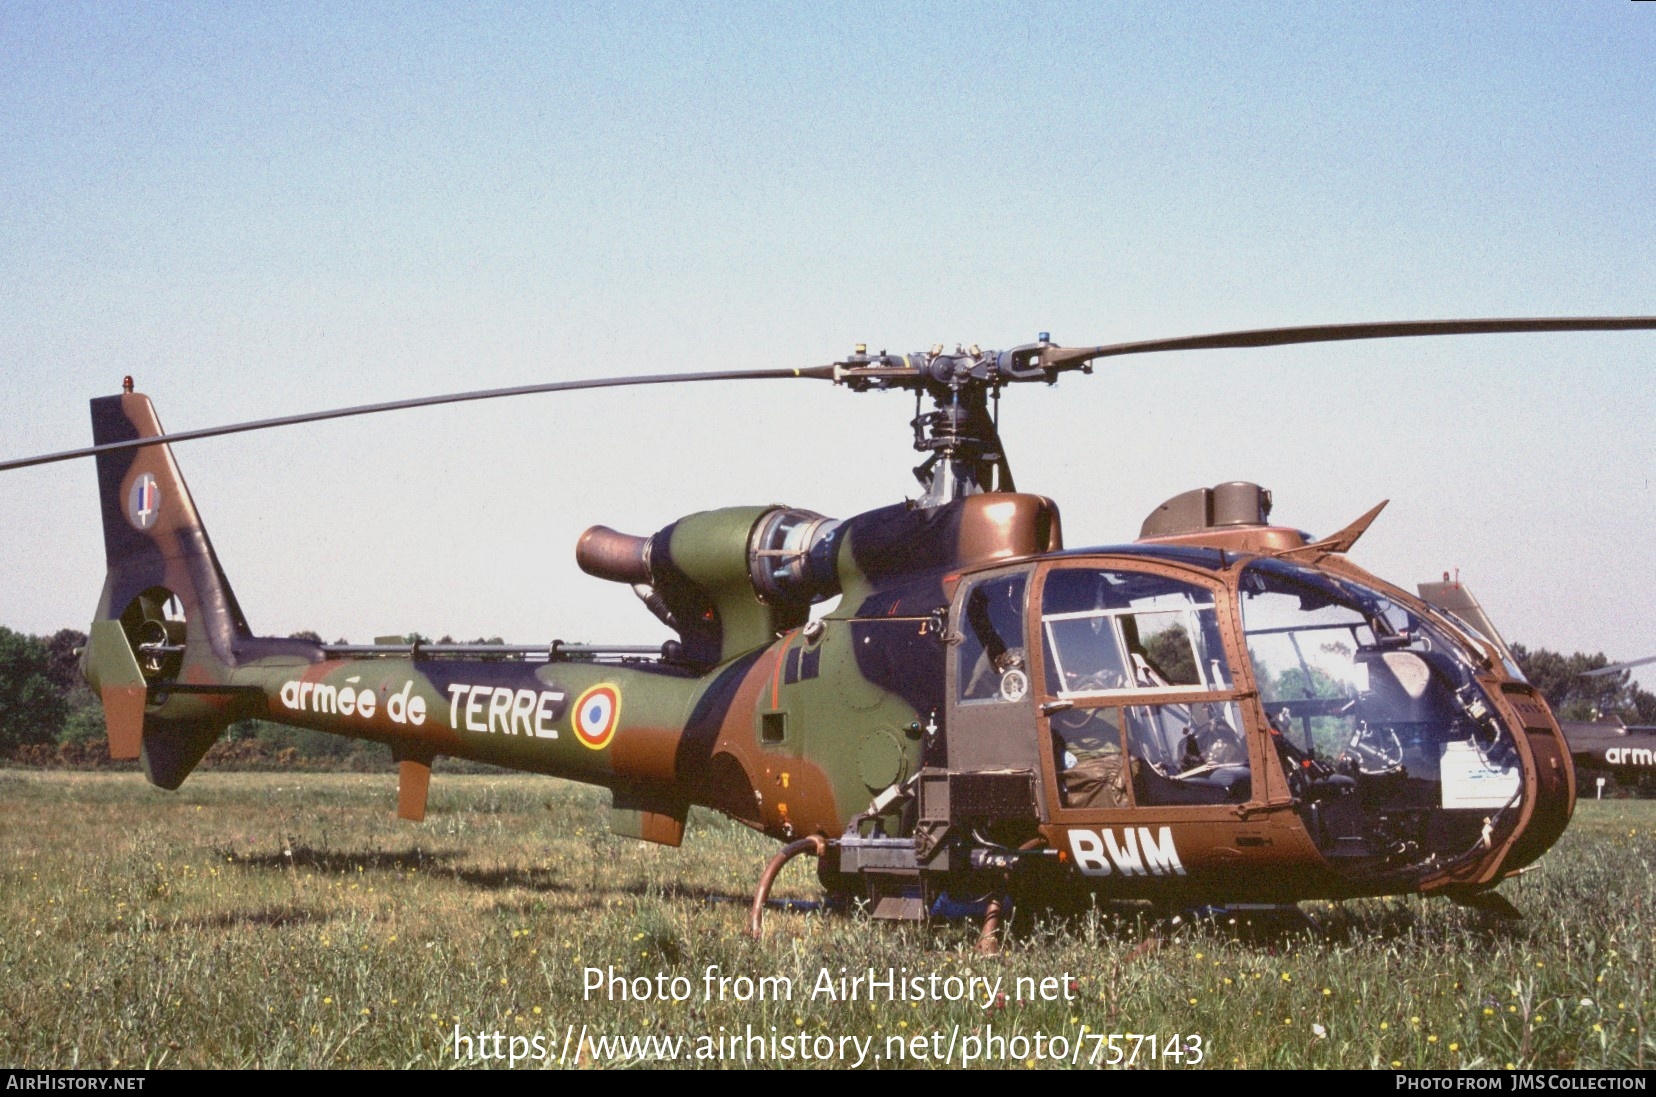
1052	703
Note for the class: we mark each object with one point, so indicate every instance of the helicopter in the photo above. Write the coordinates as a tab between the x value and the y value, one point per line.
1222	711
1611	748
1603	749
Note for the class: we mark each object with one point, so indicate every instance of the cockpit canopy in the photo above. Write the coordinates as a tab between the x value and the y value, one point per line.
1394	755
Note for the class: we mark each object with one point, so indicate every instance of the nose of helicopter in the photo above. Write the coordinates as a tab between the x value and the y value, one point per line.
1420	753
1549	780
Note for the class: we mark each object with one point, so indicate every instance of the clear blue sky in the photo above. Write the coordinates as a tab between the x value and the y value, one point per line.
258	211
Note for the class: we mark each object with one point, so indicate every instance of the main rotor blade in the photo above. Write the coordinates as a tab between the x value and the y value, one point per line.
825	373
1070	357
1615	668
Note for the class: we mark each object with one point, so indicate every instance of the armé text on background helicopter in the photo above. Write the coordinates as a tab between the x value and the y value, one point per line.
1224	710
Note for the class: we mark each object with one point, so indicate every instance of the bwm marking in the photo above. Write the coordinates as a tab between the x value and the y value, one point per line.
596	713
1137	853
144	502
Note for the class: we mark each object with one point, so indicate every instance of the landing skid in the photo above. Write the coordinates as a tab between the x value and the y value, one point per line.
1275	917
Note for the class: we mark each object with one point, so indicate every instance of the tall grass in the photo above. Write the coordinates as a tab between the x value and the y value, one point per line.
292	921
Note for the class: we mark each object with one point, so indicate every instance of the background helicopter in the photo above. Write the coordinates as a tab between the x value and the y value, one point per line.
1611	748
1225	710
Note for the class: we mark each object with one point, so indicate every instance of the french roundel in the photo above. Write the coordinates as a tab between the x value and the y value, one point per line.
596	714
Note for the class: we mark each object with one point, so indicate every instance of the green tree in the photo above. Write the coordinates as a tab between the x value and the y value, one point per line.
32	709
85	724
1563	680
85	720
1169	652
63	649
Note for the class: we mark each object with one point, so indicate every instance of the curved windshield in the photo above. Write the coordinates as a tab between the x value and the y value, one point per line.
1487	636
1390	745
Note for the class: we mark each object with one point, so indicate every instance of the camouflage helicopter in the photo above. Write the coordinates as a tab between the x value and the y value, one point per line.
1224	711
1610	749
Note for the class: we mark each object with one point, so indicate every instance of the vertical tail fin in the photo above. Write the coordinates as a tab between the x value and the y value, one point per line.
167	624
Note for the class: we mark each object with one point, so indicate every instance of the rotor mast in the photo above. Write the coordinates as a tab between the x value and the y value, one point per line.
965	448
960	431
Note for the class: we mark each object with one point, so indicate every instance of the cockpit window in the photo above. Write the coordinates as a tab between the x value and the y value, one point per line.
1488	636
992	661
1110	631
1330	654
1388	740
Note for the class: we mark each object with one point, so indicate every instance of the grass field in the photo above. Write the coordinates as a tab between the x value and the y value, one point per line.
291	921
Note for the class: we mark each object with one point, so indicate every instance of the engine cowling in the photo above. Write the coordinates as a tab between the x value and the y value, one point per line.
725	580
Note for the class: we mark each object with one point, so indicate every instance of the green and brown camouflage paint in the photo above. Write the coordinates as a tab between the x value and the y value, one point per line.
791	726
